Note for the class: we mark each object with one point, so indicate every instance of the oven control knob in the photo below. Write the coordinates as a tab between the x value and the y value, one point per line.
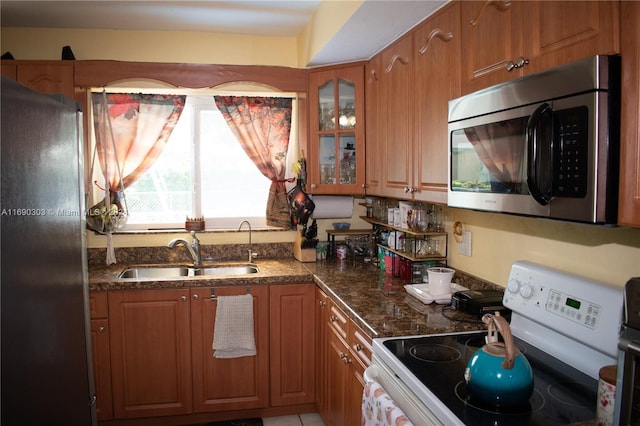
526	291
513	286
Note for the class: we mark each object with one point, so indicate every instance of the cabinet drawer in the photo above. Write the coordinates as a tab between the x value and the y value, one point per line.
98	304
360	344
338	321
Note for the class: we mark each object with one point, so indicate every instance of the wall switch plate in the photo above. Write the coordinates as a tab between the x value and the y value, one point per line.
464	247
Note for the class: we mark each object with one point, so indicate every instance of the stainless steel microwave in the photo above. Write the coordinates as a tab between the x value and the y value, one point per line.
544	145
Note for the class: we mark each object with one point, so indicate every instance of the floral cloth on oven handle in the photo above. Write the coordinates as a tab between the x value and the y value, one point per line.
378	409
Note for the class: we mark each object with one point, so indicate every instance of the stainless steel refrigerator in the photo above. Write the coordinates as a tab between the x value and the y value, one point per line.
45	340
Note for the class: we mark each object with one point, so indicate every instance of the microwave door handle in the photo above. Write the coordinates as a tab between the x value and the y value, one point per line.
532	142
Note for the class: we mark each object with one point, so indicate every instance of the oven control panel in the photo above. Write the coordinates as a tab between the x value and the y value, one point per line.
581	311
522	291
558	300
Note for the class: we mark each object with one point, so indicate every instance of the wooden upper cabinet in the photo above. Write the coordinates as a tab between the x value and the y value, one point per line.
542	34
557	32
490	33
336	161
9	70
629	195
374	160
437	80
51	78
397	111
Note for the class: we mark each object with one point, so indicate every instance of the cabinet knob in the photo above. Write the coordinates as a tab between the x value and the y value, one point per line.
358	347
314	186
101	329
345	358
333	318
196	297
519	63
183	298
323	303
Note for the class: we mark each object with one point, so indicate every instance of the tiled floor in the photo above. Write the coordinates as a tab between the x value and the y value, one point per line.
311	419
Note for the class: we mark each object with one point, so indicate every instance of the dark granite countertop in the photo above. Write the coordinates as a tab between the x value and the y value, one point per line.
376	301
379	303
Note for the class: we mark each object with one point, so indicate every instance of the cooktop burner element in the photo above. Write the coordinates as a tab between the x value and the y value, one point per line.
535	403
561	394
435	353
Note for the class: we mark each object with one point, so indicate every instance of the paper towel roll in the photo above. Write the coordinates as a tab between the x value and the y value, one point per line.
332	207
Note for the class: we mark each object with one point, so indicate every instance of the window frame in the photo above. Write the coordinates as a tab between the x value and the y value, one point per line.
237	89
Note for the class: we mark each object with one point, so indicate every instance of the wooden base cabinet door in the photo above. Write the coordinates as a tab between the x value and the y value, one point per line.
102	368
221	384
150	352
101	352
355	390
292	344
338	375
322	316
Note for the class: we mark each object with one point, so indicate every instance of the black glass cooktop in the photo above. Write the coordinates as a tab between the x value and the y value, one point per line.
562	394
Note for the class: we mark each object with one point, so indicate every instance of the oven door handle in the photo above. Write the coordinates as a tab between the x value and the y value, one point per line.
633	348
535	147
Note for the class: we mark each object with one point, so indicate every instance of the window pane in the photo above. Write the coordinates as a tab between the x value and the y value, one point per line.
232	186
163	195
202	172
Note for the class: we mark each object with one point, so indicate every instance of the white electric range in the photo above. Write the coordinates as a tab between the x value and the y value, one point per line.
567	326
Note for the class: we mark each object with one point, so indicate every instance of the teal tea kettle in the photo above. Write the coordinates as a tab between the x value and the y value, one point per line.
498	374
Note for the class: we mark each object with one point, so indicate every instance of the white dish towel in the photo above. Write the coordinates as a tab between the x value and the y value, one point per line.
233	334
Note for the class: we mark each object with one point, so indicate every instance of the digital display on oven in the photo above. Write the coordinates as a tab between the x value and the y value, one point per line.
573	303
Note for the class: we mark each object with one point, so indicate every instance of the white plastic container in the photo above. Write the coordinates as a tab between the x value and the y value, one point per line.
440	280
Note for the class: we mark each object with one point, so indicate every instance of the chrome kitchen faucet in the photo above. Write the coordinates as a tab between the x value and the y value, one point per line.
193	247
251	253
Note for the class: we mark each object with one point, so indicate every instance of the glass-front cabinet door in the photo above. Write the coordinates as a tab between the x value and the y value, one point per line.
336	162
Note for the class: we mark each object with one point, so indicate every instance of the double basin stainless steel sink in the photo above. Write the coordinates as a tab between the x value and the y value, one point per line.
183	271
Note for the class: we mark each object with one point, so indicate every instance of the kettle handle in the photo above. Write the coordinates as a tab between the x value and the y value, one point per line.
502	325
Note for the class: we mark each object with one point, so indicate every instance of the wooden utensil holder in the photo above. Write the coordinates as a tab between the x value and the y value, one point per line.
303	254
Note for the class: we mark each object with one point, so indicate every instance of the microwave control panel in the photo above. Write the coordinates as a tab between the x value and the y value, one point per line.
572	159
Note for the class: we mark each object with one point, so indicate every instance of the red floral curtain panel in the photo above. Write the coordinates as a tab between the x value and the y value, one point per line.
131	131
140	124
262	125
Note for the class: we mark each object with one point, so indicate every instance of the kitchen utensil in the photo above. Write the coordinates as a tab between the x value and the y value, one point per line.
300	205
498	373
440	280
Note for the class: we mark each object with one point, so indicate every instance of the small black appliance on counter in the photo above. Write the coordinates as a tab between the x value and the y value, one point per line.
479	302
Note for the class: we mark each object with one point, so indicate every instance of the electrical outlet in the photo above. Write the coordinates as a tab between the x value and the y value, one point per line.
464	247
